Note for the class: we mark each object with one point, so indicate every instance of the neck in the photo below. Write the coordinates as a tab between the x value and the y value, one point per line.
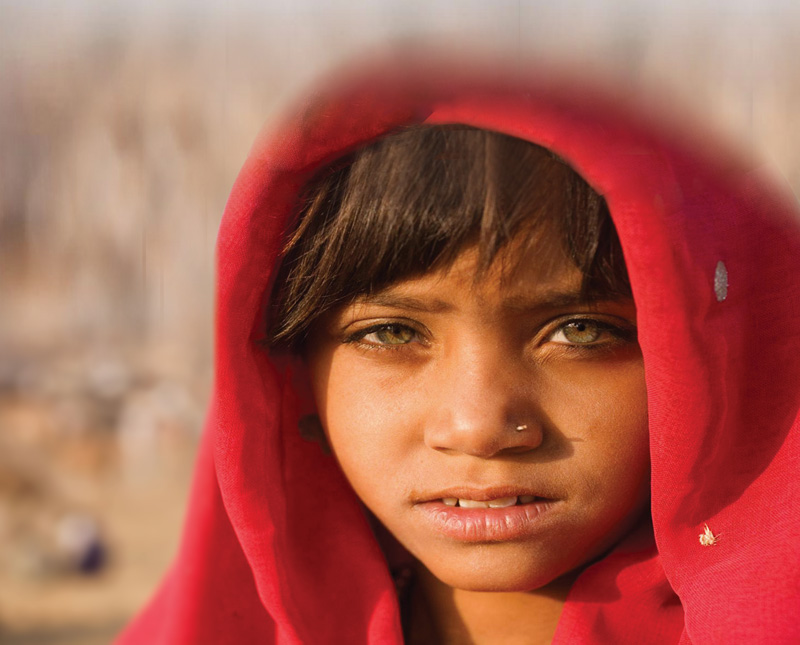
442	614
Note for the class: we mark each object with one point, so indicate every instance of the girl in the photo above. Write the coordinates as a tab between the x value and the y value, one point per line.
516	436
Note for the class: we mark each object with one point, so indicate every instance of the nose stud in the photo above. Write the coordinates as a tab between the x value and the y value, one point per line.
521	428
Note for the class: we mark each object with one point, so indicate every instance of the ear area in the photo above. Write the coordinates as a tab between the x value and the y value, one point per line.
311	430
308	423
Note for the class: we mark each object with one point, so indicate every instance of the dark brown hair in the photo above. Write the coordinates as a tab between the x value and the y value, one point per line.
410	202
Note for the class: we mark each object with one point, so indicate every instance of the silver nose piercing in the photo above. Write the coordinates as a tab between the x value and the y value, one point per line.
521	428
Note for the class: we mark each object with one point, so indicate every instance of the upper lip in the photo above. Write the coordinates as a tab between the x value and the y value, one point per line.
479	494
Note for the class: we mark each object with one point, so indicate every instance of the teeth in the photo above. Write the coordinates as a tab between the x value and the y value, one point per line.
471	503
502	502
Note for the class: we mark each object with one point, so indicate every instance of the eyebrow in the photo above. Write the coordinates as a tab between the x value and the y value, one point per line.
550	299
398	301
521	303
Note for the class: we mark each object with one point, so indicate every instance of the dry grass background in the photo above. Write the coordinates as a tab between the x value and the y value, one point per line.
121	131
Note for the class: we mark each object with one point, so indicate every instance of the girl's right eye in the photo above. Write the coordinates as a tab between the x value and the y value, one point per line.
384	335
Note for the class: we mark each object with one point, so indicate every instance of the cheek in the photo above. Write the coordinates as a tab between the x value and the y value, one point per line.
601	411
368	419
604	402
368	397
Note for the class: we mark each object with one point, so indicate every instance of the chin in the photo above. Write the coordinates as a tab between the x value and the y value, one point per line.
482	570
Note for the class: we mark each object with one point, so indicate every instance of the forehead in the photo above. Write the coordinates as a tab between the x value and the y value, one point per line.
533	261
522	279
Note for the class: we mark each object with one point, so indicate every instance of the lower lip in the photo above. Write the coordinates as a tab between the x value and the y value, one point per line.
486	524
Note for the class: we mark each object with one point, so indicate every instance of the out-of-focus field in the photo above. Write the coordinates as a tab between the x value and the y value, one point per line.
120	135
119	145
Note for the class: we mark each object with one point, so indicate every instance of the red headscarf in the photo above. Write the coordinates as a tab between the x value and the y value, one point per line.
276	547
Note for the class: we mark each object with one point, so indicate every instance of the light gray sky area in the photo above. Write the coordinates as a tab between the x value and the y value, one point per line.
397	14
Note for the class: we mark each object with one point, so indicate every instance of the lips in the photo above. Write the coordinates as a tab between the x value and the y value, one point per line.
485	515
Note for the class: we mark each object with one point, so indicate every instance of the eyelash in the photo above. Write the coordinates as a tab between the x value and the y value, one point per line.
359	336
621	334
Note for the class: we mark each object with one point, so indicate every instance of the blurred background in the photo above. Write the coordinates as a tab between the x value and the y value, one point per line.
122	128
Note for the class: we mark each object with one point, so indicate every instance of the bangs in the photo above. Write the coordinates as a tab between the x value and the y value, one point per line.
412	201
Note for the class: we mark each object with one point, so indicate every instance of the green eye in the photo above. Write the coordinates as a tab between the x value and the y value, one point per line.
392	335
586	332
581	332
386	334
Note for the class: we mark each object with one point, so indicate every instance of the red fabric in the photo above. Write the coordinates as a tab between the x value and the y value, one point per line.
263	560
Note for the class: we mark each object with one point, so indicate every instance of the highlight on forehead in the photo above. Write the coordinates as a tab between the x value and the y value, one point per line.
410	202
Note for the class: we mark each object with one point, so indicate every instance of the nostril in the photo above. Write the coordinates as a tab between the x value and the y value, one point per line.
485	441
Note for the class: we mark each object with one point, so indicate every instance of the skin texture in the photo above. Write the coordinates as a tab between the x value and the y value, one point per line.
420	389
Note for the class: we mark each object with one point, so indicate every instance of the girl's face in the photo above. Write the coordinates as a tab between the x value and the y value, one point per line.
497	428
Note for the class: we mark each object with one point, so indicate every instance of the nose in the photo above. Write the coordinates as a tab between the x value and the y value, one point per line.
483	404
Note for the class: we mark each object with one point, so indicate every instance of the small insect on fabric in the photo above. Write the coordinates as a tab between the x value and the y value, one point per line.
707	538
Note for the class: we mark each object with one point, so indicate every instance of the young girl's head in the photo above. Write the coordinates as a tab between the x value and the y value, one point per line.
461	301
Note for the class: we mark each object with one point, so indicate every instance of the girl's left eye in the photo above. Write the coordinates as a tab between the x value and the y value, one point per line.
386	334
589	332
